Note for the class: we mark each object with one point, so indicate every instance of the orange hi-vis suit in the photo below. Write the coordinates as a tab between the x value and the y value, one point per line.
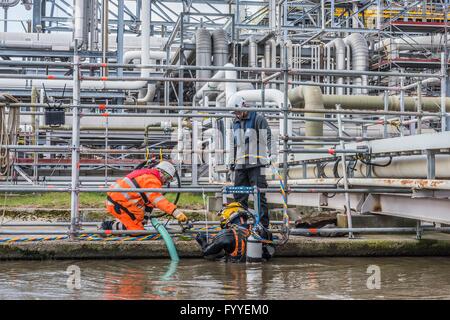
129	207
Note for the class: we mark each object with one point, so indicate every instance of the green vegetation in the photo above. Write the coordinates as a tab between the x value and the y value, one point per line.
57	200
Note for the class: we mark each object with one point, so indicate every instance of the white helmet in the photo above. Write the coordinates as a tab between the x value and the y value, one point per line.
236	101
167	167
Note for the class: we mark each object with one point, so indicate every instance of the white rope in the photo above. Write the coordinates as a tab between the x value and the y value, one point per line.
206	213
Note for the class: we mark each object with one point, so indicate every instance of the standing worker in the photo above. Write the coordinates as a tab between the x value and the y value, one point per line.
252	152
130	207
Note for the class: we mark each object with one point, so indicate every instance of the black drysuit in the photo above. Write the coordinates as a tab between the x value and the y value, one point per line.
224	244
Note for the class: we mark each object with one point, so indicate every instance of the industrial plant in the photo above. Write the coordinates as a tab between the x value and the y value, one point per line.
355	97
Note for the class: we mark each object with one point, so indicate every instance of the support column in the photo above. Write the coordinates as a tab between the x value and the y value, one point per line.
74	201
120	34
344	173
37	17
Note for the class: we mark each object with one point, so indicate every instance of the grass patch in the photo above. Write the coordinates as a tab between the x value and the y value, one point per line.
61	200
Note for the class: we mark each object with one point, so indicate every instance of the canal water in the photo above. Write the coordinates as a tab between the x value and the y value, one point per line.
282	278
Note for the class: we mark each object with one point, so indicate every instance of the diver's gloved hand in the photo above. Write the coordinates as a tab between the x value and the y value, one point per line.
180	216
201	239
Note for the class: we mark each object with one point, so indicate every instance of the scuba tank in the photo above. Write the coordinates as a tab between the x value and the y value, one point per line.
254	249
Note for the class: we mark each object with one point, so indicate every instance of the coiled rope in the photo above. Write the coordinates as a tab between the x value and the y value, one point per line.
9	126
96	237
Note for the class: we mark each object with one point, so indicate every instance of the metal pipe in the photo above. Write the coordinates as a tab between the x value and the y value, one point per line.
415	184
200	189
79	21
74	201
340	231
203	54
331	151
313	99
219	47
340	48
105	35
293	71
366	102
146	96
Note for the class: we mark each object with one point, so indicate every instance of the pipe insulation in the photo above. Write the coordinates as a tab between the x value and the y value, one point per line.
365	102
414	167
129	56
230	90
219	47
202	54
312	97
59	84
339	46
435	41
79	20
56	41
360	58
208	88
146	96
252	53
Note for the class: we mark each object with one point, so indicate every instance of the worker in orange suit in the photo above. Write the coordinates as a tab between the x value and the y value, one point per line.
130	208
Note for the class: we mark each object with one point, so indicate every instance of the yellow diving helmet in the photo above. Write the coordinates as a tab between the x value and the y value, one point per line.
233	213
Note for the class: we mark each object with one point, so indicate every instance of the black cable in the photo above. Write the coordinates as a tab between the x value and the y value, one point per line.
335	168
377	164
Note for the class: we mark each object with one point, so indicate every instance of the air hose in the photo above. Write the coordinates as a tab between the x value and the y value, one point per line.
167	239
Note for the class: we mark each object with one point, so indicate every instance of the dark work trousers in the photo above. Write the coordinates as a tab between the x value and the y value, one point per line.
252	177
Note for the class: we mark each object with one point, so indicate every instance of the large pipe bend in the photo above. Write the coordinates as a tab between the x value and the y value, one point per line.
360	58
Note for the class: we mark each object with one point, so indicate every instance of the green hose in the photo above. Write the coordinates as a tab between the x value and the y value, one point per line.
167	239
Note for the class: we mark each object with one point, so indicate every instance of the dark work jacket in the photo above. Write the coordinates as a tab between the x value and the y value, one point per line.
252	136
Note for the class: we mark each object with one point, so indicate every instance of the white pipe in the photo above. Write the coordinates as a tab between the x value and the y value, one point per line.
203	54
78	20
290	50
340	47
59	84
210	85
230	90
416	184
400	167
219	47
313	99
129	56
64	41
252	53
360	58
267	53
436	41
145	53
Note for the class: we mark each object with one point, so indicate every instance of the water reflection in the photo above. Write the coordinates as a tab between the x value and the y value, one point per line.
299	278
139	283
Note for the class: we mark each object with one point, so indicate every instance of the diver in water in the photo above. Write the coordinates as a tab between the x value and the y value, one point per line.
231	242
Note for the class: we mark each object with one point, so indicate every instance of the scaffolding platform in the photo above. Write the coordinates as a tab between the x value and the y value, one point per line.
416	26
434	63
